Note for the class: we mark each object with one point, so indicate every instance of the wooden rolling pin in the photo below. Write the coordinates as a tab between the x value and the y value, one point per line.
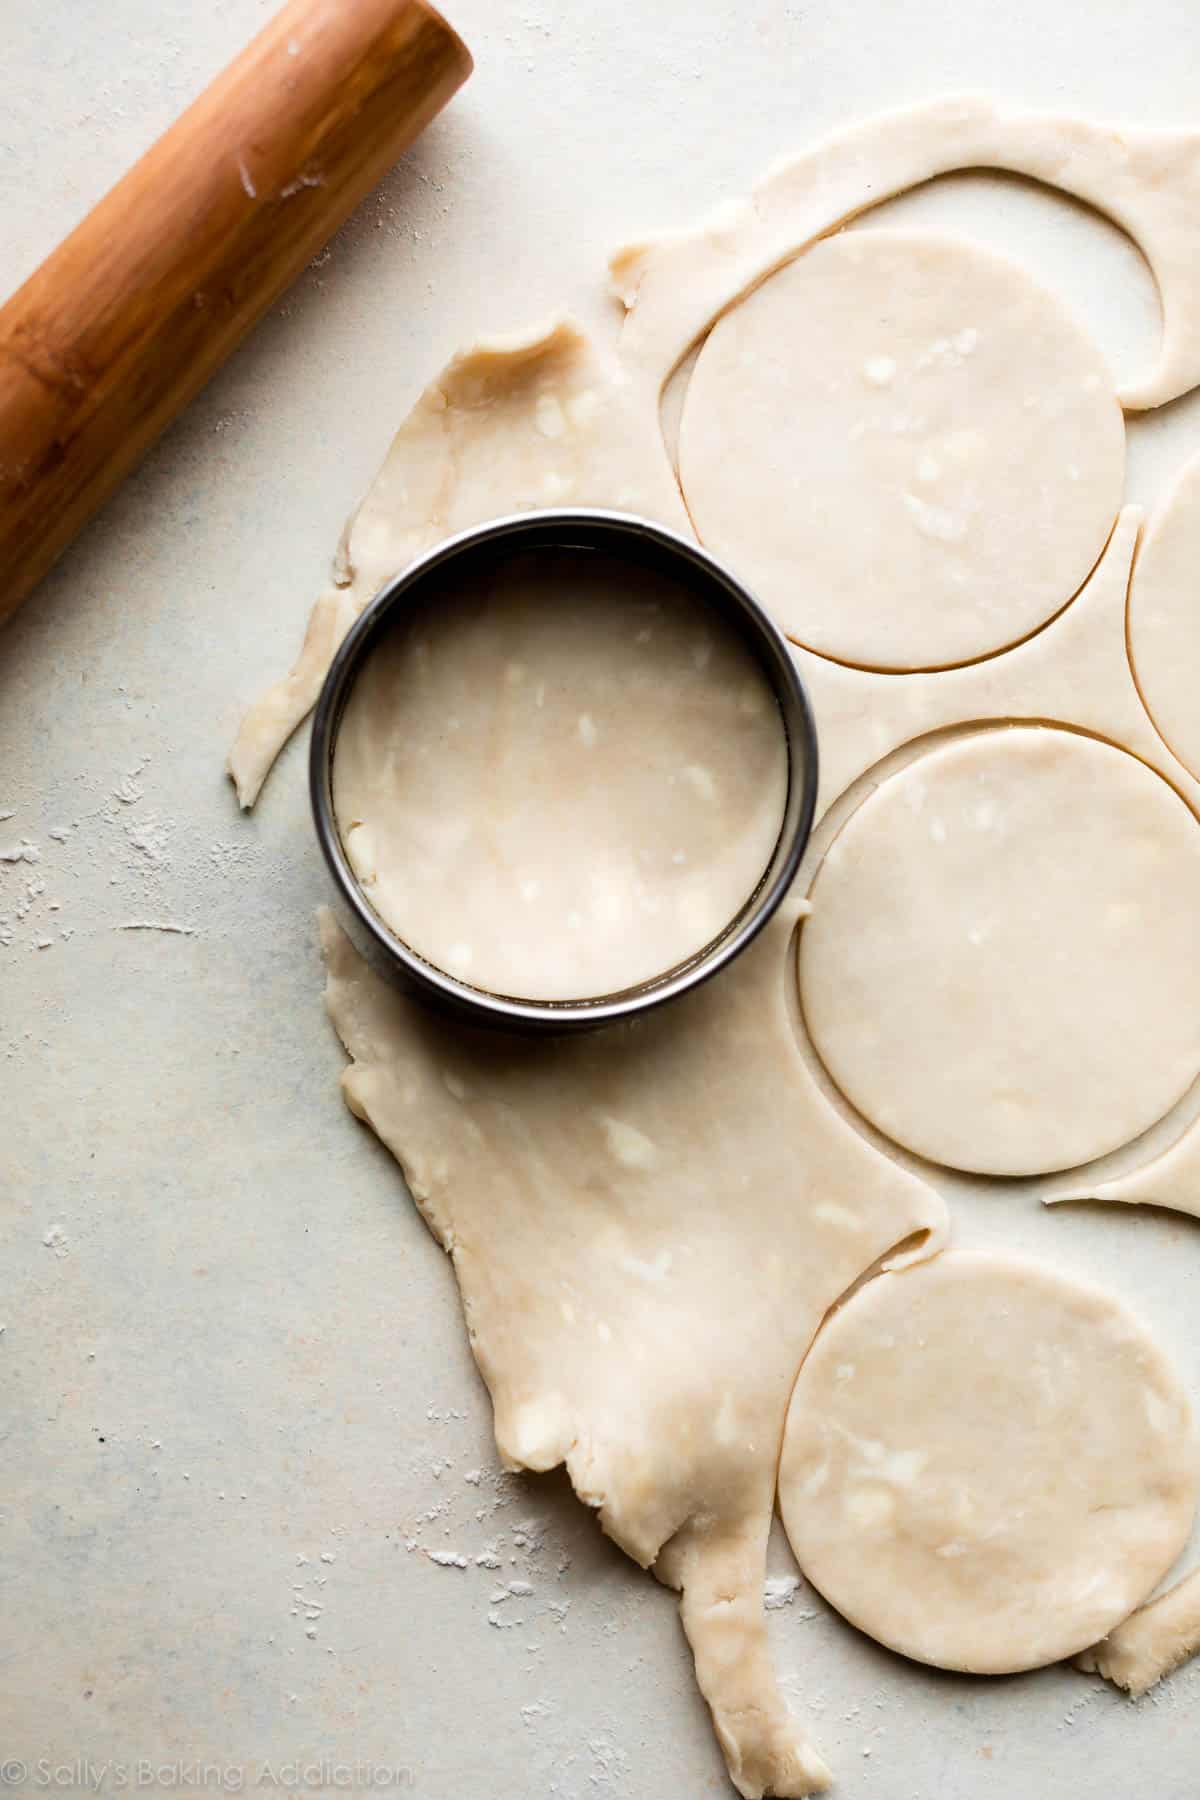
111	337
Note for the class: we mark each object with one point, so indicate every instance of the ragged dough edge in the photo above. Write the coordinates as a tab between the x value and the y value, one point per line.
432	484
720	1581
715	1554
1146	180
1152	1643
276	714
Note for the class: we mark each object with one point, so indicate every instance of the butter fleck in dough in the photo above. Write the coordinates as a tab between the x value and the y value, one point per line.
560	777
987	1465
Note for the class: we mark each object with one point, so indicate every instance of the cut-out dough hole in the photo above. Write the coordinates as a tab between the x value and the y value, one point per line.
1074	251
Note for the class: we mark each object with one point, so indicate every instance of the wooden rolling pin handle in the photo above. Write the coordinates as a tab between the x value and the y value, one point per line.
111	337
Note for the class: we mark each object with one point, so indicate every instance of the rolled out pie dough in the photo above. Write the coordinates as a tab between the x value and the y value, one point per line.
986	1465
908	448
647	1225
1164	618
1000	970
561	777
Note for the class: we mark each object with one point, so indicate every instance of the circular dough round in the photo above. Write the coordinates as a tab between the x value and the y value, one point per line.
910	450
986	1466
1000	970
1164	619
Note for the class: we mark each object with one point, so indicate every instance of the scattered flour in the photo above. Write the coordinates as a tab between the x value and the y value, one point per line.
530	1534
93	836
780	1591
1090	1695
56	1240
515	1590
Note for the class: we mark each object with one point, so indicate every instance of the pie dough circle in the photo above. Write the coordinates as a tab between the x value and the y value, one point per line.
986	1465
910	450
1164	619
1000	970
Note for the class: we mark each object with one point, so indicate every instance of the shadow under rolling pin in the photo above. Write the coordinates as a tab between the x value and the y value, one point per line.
117	330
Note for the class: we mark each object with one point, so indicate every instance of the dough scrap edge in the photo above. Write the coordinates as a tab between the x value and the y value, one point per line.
1147	180
1152	1643
715	1554
1170	1179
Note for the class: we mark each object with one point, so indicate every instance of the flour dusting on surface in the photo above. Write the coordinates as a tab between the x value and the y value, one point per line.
153	879
780	1591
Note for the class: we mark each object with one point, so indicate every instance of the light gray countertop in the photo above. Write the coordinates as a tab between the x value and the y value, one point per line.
234	1385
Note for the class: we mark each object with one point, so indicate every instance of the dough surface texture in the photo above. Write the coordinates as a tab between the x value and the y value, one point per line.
647	1225
1000	971
561	777
908	449
986	1465
1164	617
